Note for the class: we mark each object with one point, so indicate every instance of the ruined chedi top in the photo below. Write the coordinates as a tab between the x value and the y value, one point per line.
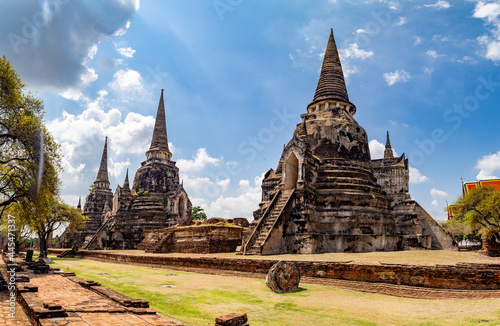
388	153
159	143
102	180
331	84
158	174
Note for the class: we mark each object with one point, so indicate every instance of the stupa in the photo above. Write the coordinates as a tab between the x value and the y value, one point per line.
324	195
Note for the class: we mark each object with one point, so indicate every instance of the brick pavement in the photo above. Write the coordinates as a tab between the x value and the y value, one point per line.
72	301
50	300
20	318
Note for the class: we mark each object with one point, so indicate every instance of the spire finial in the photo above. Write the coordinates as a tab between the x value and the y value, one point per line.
331	84
126	184
79	206
102	175
160	141
388	153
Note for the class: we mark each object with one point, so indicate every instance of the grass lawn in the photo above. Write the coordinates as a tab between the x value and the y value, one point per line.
411	257
197	299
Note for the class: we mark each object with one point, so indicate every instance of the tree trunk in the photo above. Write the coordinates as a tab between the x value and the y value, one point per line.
43	244
17	246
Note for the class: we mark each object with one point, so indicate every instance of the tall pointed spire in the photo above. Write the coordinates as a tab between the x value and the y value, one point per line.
79	206
160	141
331	85
102	179
126	184
388	153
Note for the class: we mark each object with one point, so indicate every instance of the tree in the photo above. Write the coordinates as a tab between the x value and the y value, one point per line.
481	207
459	229
198	213
15	225
21	128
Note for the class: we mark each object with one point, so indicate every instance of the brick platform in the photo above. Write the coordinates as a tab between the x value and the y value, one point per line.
20	318
69	300
462	276
64	299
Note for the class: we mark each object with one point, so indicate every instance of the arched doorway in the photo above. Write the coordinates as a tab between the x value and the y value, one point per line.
181	206
291	172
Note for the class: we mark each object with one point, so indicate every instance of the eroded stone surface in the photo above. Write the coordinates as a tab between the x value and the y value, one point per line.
283	277
213	235
234	319
327	195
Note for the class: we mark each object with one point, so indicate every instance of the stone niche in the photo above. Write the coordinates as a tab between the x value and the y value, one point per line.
203	237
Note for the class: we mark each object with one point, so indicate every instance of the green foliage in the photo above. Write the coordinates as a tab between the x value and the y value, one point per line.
18	227
92	188
481	210
165	199
198	213
141	193
25	143
459	228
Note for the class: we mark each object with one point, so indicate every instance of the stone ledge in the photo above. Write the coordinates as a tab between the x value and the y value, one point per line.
458	277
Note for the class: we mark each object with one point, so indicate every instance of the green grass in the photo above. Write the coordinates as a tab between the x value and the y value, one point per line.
197	299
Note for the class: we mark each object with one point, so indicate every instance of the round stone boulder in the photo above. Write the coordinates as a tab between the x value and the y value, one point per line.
283	277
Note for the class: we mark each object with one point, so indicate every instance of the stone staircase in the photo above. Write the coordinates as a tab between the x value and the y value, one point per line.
88	242
262	230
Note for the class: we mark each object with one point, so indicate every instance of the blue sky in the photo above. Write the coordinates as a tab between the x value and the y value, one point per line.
237	75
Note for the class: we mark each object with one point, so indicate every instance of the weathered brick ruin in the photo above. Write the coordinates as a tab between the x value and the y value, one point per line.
156	200
327	195
213	235
97	203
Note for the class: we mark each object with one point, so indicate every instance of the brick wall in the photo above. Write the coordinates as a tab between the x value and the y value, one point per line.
460	276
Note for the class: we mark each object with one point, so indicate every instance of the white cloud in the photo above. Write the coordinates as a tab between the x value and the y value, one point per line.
416	177
402	21
126	80
489	11
438	193
127	52
376	149
73	172
487	165
353	51
492	47
195	184
440	5
200	161
433	54
242	204
117	168
85	133
224	183
438	204
418	40
467	59
398	76
57	56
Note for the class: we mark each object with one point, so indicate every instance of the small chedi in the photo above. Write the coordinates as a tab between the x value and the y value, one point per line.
210	236
156	200
327	195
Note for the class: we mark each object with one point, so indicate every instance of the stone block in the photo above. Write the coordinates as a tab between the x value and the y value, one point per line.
233	319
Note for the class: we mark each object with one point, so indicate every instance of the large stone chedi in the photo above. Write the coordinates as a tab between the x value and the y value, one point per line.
324	196
156	200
